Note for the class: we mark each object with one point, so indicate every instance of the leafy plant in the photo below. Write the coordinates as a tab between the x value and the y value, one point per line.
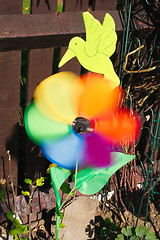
109	228
17	227
135	234
39	183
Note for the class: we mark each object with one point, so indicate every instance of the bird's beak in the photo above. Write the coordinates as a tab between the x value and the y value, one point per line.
67	56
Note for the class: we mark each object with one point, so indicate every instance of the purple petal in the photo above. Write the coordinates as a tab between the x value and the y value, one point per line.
98	150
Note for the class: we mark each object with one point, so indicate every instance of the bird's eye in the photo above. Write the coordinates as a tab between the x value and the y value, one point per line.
75	43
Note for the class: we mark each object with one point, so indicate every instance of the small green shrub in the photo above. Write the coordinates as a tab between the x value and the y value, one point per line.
136	234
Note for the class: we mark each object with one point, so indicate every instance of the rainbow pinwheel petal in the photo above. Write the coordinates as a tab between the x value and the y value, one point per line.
78	120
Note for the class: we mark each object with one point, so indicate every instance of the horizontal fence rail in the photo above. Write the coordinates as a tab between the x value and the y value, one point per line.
36	31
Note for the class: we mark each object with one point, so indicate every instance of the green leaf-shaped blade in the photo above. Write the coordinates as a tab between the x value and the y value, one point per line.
89	180
58	176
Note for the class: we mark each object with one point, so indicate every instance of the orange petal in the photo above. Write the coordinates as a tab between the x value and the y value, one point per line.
98	95
121	128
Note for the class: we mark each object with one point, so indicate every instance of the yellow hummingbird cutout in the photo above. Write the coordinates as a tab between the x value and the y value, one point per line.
93	54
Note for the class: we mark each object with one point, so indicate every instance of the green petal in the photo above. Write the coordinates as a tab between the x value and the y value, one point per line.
40	128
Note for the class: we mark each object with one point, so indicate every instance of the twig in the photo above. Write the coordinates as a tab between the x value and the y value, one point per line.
29	208
10	171
12	186
136	71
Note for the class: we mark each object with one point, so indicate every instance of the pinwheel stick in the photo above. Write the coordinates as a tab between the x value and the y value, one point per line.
72	190
136	71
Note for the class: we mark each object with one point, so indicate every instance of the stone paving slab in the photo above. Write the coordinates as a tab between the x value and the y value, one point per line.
77	217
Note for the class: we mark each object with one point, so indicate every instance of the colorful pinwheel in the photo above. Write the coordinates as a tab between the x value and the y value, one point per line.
78	119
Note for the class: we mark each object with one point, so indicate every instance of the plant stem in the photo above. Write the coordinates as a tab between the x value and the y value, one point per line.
12	186
29	208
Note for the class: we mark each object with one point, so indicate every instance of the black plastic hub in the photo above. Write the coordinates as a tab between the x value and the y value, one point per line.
82	125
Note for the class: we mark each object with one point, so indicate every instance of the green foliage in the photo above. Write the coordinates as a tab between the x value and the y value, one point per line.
59	7
10	215
127	231
26	193
2	194
26	6
65	188
109	228
40	182
61	215
120	237
61	225
18	228
150	236
139	233
28	181
134	238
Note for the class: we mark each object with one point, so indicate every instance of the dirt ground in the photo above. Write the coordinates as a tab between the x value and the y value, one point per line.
84	219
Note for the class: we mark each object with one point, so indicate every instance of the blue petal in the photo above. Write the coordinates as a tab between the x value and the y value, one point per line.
65	152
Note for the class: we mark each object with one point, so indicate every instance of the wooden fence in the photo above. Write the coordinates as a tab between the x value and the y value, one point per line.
43	33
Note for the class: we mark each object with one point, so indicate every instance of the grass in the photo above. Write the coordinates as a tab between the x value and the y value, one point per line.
26	6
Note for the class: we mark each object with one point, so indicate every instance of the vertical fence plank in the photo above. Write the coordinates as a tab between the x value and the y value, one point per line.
10	67
11	7
39	68
41	6
74	5
70	6
104	5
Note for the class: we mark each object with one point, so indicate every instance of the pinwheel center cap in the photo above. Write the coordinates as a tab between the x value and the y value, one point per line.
82	125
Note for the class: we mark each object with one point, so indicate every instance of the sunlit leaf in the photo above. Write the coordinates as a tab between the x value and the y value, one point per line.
141	231
28	181
120	237
127	231
40	181
61	225
150	236
26	193
61	215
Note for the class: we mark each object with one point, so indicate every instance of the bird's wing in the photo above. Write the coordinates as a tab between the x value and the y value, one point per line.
108	36
93	33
